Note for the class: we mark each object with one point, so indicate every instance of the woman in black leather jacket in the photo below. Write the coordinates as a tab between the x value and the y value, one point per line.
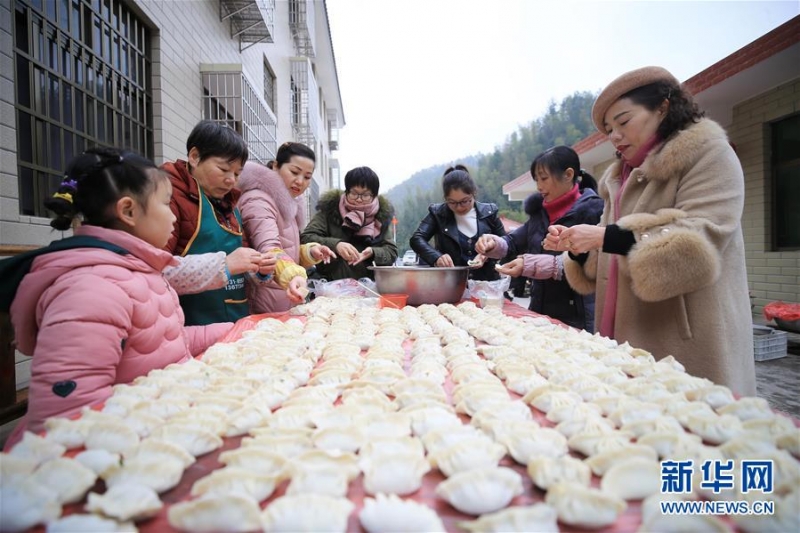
456	224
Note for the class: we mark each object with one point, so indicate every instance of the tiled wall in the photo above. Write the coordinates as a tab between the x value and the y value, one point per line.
771	275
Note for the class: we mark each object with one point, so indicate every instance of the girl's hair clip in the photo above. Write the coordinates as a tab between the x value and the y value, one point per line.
64	196
69	182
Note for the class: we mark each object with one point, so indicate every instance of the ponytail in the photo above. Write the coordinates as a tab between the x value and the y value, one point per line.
586	181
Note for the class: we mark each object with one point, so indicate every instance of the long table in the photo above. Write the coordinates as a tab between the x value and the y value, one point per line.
628	521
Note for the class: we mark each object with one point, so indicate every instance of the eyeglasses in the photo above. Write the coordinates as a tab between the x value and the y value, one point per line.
463	203
360	196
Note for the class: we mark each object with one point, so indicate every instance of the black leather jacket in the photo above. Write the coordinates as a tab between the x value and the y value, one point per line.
440	223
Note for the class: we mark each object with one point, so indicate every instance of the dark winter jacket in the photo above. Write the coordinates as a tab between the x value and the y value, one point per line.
555	298
326	228
440	223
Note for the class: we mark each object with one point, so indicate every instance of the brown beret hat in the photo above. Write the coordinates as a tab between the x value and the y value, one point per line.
623	85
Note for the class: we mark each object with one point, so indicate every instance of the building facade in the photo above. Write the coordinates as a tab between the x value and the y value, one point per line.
754	94
140	74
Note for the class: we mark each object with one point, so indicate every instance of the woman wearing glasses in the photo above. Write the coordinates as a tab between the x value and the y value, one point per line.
272	213
455	225
356	224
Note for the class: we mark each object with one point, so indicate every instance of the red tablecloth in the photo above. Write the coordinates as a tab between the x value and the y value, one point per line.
629	521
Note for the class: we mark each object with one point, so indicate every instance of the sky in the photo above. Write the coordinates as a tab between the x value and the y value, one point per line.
425	82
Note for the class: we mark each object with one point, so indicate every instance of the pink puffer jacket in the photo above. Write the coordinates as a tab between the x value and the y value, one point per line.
272	219
92	318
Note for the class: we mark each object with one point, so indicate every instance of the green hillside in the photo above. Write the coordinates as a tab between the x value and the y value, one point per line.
563	123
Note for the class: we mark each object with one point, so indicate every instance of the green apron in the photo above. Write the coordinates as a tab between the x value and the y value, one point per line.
219	305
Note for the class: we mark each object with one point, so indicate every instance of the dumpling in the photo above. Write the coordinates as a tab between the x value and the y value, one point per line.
88	523
67	478
716	396
387	447
319	480
246	418
643	427
307	513
540	442
345	462
581	506
286	446
36	449
338	439
143	423
160	473
539	517
196	441
255	458
100	462
394	474
667	443
126	502
590	424
601	462
680	523
441	438
546	472
714	428
480	491
467	455
573	411
13	467
156	450
632	479
771	428
389	514
428	418
25	504
113	437
220	512
635	410
236	480
590	444
65	431
748	408
745	446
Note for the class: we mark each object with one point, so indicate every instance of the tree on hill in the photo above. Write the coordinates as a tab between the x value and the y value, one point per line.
563	123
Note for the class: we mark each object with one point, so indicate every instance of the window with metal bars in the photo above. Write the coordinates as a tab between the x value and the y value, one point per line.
786	184
269	87
82	71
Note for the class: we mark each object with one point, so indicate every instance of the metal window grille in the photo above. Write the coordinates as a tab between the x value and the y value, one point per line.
305	103
82	71
229	98
269	87
302	27
785	183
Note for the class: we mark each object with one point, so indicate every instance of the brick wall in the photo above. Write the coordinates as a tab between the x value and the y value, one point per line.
771	275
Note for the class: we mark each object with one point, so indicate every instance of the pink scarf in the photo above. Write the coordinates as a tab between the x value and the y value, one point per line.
607	325
559	207
360	217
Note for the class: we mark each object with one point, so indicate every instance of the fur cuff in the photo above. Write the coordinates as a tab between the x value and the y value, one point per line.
643	222
678	262
582	278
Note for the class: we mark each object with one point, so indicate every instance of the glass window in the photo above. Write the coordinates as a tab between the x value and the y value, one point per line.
74	88
269	87
786	183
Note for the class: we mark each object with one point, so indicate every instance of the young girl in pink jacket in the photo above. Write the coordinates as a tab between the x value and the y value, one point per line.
93	317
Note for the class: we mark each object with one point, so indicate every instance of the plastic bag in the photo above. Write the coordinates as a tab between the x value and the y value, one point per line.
487	289
782	310
342	288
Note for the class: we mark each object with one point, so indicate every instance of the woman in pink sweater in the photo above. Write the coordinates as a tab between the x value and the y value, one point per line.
98	312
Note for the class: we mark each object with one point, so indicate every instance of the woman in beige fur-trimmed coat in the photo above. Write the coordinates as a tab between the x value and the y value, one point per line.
667	260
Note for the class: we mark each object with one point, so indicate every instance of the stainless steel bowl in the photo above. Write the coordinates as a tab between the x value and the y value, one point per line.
423	285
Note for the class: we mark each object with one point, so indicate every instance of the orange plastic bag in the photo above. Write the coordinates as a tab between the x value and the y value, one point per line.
782	310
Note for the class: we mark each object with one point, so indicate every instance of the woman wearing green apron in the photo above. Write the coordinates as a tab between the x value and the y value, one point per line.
208	221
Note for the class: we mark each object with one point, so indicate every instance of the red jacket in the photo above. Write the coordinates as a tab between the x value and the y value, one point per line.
185	203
